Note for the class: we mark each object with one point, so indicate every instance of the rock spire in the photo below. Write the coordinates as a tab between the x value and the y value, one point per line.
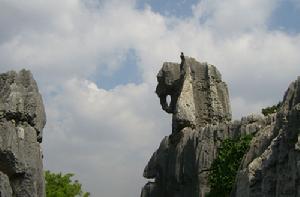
22	119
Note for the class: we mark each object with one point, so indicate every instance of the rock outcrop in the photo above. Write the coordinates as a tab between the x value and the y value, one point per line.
198	94
22	119
271	167
201	114
202	120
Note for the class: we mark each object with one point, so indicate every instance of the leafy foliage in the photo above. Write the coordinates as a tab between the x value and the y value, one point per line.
225	166
59	185
269	110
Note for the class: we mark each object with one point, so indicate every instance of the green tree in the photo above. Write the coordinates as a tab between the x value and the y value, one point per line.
270	110
224	167
59	185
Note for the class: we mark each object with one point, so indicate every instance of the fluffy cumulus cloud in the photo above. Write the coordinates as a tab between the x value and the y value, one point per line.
105	136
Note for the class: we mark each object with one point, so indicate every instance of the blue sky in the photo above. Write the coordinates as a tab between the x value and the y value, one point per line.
181	9
96	63
127	73
285	17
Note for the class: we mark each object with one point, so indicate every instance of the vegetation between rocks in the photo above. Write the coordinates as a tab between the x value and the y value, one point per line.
270	110
224	167
59	185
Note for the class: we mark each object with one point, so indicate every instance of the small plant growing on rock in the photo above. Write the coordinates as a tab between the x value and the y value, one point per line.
270	110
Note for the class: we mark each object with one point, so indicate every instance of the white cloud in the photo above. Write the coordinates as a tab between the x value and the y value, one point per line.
234	16
106	136
71	39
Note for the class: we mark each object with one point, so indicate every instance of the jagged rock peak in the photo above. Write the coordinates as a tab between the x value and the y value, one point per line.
198	94
21	101
22	119
201	113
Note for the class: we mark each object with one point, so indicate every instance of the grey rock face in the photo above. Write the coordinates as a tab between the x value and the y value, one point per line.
201	121
180	165
22	119
198	94
201	112
272	165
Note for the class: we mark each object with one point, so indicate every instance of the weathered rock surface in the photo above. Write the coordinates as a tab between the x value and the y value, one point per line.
201	121
201	114
22	119
198	94
272	165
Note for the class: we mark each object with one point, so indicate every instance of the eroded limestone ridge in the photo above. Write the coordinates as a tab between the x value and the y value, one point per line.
201	121
271	168
22	119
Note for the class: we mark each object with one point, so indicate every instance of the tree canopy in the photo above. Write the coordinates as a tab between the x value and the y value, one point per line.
59	185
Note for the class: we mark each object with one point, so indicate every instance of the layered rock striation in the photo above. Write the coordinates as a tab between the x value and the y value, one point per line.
202	120
22	119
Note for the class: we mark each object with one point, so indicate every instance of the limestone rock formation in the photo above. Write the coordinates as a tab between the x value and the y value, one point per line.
271	168
198	94
201	112
22	119
202	120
